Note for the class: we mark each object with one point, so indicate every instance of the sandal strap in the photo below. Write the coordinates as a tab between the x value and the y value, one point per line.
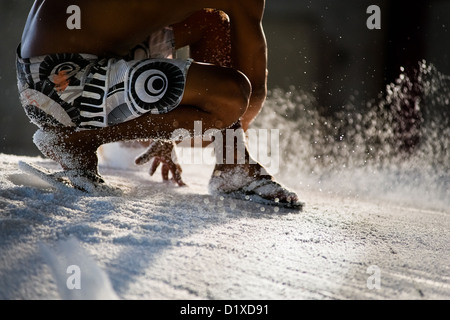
254	185
82	180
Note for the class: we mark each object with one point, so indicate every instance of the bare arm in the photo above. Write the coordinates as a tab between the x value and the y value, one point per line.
249	51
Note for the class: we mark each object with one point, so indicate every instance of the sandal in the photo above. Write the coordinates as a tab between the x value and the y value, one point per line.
259	189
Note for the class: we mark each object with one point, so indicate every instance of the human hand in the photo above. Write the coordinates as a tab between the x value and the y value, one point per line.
162	153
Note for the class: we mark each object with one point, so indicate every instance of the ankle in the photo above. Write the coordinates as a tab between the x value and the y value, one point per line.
251	170
69	154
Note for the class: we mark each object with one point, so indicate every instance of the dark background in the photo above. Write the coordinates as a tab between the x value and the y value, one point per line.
320	46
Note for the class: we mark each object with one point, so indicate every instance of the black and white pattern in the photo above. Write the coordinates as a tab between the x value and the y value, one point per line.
70	63
37	87
88	93
93	113
154	86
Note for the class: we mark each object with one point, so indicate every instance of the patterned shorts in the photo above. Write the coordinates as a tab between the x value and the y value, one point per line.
85	92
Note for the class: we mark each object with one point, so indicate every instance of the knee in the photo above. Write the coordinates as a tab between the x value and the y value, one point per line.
222	93
213	20
243	93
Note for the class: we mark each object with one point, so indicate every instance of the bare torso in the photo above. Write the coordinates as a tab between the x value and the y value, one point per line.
108	28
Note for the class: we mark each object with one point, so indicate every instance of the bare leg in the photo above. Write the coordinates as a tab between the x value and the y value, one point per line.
208	33
214	95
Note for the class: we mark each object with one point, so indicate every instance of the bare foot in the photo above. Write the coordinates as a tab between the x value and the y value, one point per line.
251	182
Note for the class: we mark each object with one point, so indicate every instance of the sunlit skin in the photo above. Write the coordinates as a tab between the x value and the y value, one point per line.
226	85
46	33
